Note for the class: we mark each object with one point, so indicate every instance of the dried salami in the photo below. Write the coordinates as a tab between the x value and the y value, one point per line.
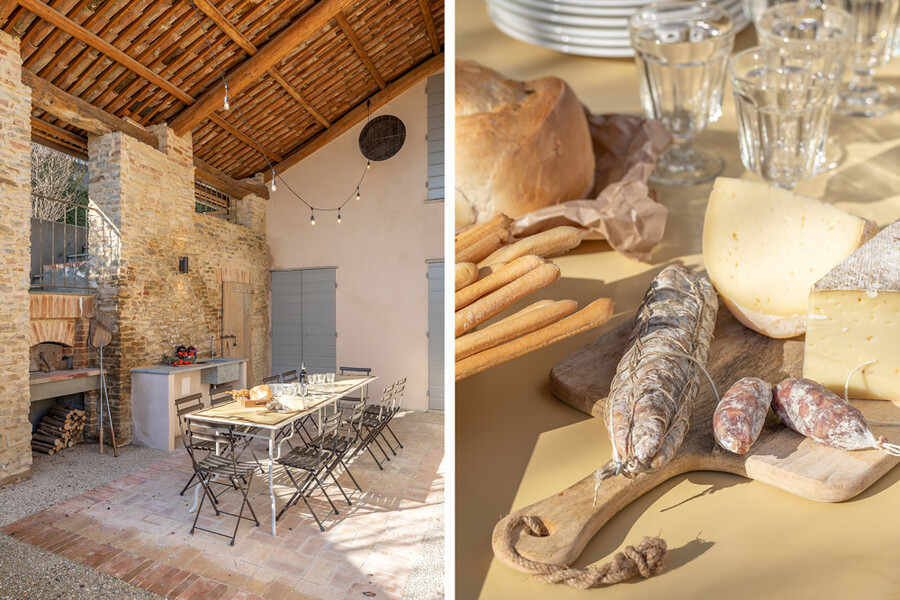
740	416
818	413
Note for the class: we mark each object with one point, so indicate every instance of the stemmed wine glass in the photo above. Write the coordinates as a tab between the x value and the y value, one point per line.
876	26
681	50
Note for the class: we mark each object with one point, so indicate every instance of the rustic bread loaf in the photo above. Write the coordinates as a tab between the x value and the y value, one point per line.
260	393
520	146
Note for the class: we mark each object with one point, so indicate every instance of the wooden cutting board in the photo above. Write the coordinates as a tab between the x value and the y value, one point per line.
780	457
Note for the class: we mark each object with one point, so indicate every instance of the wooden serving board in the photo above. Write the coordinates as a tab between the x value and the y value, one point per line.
780	457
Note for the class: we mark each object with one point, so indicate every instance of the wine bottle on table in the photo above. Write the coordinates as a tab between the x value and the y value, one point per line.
303	373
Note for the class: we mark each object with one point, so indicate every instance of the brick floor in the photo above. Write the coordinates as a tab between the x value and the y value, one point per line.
137	529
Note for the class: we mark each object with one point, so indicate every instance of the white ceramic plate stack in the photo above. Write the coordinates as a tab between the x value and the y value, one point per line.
583	27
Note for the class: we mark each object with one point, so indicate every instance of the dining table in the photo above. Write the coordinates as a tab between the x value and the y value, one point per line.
516	444
276	427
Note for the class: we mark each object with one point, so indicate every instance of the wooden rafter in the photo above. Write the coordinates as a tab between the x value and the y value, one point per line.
360	51
241	136
49	129
376	101
251	69
429	26
241	40
83	35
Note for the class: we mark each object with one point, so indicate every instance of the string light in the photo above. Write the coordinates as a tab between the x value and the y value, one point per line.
229	100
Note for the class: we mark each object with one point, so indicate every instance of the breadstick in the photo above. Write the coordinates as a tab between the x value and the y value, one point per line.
484	308
546	244
595	314
496	280
481	248
466	273
489	269
497	224
530	307
522	323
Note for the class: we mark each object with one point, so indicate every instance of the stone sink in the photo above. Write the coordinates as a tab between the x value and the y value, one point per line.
220	370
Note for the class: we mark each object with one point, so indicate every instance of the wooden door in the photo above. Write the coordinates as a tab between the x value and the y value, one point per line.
237	300
436	336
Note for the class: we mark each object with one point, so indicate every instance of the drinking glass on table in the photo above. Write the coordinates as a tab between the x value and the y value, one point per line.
783	97
681	51
873	39
329	379
803	24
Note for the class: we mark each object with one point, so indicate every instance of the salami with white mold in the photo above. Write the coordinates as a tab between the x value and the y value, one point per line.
741	413
818	413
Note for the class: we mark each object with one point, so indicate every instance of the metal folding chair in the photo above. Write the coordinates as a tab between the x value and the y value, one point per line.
314	462
374	419
272	379
343	445
290	376
399	388
350	400
221	395
214	466
184	406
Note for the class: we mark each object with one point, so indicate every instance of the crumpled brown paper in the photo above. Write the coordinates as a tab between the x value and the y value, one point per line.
625	211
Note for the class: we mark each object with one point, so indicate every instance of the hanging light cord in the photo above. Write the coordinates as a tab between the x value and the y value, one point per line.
275	174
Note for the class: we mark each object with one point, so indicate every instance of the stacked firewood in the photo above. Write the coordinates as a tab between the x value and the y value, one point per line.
62	427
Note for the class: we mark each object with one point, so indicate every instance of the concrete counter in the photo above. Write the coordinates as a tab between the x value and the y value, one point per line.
154	390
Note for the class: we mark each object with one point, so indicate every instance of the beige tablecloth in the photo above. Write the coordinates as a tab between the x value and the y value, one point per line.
516	444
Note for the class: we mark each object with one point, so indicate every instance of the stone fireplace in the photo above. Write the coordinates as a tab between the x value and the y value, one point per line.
62	366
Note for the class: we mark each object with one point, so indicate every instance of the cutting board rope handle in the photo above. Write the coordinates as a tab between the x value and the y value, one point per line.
645	560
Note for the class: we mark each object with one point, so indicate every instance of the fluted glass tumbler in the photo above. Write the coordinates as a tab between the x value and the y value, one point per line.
802	24
783	98
681	51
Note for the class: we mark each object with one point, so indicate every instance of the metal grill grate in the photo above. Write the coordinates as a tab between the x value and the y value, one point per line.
382	137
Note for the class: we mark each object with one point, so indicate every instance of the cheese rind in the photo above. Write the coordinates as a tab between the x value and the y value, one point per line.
854	318
764	247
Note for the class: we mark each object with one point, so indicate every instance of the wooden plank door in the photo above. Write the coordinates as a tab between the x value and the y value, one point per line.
436	336
237	300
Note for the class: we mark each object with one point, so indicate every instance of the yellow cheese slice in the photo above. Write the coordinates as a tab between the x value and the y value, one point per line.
854	318
764	247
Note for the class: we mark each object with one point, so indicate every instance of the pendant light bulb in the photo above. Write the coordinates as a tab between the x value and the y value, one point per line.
312	217
226	105
368	165
357	193
273	180
339	215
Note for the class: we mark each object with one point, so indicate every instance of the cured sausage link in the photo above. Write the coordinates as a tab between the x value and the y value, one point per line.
740	416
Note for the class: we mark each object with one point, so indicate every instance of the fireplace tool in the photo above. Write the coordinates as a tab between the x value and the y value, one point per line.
100	335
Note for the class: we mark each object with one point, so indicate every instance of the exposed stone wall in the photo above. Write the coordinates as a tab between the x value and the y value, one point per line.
15	245
148	195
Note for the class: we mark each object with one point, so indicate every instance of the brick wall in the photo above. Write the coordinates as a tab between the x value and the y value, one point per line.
148	195
15	210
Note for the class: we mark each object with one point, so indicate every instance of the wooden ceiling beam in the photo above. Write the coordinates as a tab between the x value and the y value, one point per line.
83	35
241	136
376	101
429	26
48	129
207	8
75	111
251	69
40	138
360	51
300	98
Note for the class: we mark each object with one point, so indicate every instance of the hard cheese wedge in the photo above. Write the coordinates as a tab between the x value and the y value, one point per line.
764	247
854	318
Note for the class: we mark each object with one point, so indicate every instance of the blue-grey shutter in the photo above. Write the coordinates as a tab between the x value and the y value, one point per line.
436	336
435	92
303	320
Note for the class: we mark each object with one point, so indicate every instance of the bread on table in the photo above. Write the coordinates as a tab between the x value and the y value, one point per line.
520	146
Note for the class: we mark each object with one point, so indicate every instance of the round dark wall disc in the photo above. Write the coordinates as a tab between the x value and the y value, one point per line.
382	137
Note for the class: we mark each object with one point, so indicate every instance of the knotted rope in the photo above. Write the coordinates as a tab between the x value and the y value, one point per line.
645	560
